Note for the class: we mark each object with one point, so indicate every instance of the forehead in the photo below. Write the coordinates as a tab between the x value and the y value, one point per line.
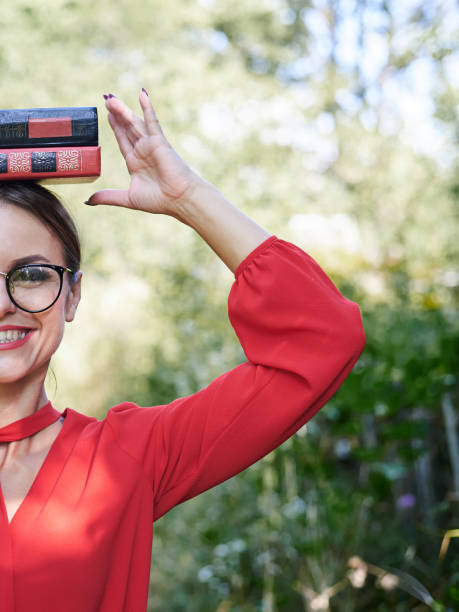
22	234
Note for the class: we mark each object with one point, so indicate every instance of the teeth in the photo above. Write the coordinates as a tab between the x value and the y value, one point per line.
11	335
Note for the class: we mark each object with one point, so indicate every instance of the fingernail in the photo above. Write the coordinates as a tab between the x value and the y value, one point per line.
105	96
145	91
88	203
111	95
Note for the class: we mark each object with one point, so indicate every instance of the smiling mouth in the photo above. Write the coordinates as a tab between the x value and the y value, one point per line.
13	335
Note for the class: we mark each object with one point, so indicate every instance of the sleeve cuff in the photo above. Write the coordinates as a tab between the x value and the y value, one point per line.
251	256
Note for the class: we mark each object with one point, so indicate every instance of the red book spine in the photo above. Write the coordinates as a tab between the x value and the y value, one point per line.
49	163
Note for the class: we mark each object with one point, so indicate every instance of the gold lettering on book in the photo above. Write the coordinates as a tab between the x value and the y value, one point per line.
14	131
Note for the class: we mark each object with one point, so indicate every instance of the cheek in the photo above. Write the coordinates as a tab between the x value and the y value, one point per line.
52	324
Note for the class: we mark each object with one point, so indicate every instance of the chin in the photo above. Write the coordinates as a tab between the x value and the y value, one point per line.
30	362
13	371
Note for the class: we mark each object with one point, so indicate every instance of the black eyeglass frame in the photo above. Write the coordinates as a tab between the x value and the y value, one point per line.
59	269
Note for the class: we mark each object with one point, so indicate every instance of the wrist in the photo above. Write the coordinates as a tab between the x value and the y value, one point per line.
192	206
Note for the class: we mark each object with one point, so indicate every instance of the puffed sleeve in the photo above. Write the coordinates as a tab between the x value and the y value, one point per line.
301	338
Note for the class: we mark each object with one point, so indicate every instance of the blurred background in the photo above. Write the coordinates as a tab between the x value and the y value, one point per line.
333	123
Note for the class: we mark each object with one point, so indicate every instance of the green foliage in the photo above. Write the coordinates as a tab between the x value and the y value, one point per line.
320	143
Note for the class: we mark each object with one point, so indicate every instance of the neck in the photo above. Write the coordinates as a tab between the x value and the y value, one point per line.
21	398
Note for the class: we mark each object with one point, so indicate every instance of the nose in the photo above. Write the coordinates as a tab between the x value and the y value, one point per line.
6	305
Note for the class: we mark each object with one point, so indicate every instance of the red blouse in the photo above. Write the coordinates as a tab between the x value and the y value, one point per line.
81	539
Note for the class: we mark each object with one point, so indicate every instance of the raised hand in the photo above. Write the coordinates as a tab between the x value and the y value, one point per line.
161	182
160	179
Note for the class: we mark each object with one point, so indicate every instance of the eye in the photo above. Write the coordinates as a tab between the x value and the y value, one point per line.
31	276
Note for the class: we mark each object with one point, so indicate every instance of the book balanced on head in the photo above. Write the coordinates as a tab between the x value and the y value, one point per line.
52	144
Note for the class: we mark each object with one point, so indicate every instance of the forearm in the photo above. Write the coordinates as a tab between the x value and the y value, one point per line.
227	230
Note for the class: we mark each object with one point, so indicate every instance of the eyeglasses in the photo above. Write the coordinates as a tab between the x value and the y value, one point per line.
34	287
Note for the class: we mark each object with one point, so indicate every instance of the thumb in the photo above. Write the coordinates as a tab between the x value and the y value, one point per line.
111	197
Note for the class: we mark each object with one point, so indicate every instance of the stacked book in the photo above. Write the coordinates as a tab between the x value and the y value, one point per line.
51	144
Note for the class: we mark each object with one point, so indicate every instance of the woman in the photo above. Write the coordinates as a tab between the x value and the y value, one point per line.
80	495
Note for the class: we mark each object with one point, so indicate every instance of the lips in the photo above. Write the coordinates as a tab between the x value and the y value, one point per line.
13	336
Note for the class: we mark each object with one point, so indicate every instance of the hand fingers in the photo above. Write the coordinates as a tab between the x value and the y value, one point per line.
111	197
126	119
151	121
124	143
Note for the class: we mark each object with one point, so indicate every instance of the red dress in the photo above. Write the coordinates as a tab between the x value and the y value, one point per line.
81	539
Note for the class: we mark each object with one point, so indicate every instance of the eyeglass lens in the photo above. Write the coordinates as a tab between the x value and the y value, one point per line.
34	288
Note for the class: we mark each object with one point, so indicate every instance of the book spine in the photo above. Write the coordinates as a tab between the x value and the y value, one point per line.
48	163
59	127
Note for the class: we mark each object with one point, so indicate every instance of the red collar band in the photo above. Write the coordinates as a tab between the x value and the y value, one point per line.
23	428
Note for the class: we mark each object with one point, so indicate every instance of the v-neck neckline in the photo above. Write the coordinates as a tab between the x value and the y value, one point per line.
45	478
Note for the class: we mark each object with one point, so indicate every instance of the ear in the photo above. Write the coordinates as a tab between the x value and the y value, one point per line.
73	297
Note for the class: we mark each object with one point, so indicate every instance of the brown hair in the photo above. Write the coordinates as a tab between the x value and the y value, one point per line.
47	208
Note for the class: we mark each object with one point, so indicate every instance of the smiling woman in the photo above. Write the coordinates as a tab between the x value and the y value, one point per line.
39	247
79	496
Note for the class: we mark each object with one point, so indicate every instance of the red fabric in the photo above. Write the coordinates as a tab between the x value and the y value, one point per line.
29	425
81	540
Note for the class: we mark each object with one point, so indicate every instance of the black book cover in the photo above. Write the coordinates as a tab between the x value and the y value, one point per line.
49	127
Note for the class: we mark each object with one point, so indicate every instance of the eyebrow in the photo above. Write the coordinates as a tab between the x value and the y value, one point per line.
29	259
